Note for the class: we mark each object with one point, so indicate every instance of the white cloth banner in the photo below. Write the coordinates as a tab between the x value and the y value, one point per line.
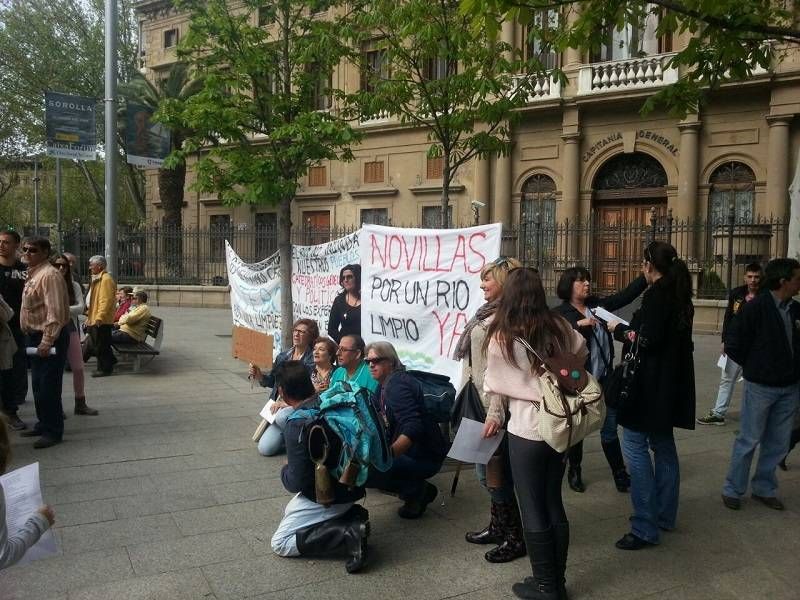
256	289
419	287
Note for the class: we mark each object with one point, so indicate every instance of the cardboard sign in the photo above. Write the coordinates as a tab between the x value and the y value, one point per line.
252	346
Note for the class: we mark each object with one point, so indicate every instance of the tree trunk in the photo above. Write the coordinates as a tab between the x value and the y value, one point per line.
135	182
446	176
170	191
285	257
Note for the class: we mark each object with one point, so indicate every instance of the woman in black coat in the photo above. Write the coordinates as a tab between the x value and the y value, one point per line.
661	393
345	315
574	288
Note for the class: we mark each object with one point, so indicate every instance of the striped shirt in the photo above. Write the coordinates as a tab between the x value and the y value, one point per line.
45	303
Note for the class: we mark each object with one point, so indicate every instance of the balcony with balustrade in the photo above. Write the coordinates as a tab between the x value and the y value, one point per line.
545	88
627	75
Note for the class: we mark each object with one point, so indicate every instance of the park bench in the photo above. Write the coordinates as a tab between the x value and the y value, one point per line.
155	330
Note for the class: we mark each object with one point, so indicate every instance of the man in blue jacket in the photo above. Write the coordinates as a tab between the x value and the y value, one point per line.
765	341
309	528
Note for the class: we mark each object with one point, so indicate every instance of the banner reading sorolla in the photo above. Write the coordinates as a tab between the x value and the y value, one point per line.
419	287
315	277
70	126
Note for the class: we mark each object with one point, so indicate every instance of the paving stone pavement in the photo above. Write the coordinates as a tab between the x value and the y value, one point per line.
163	496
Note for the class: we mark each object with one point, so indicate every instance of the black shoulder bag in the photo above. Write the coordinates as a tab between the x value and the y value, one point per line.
617	386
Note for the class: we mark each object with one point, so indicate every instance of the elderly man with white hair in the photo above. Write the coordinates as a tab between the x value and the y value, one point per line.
100	315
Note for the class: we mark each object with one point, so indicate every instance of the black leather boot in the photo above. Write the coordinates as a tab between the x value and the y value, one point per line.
513	545
541	552
613	454
492	533
327	537
561	539
574	479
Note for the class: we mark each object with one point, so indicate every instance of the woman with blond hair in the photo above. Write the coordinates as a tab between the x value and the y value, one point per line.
504	528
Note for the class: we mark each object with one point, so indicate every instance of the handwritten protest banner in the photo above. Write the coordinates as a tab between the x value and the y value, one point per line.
256	290
419	287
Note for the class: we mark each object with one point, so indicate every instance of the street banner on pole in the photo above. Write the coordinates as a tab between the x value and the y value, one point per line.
419	287
255	287
147	144
70	126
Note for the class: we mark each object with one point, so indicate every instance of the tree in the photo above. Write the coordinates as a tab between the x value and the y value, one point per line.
179	86
255	118
730	38
58	45
427	66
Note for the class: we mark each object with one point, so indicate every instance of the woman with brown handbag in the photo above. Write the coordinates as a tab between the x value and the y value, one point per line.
512	381
505	527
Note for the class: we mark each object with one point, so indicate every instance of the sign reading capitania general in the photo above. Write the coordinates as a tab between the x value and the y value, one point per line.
70	126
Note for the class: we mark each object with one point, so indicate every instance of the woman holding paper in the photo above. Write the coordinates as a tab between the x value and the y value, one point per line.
575	290
505	527
13	548
660	394
304	332
512	382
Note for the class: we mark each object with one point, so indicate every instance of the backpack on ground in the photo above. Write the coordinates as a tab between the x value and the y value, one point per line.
345	411
439	394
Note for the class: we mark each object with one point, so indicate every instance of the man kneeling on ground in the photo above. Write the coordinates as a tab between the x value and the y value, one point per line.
309	528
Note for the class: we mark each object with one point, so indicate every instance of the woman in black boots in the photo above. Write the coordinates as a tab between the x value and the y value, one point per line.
512	380
505	528
574	289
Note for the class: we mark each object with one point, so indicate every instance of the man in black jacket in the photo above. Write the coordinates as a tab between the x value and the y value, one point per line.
13	381
765	340
730	374
309	528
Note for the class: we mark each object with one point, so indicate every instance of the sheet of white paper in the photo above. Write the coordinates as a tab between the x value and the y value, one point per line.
470	446
722	363
602	313
23	496
266	412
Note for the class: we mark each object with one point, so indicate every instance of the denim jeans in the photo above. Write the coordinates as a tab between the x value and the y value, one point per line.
608	433
46	378
503	494
767	419
730	374
271	442
302	512
654	487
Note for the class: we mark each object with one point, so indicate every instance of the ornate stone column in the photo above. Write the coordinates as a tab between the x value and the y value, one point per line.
688	207
501	206
777	202
571	192
482	189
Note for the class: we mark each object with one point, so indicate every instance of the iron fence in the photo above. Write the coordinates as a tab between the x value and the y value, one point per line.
716	252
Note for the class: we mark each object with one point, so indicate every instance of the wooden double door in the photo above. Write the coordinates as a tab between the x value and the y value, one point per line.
620	234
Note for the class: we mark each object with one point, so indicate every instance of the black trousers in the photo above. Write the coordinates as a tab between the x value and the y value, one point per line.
122	337
46	376
14	381
538	471
100	343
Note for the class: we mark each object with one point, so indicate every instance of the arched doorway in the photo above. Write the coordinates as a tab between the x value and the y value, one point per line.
626	190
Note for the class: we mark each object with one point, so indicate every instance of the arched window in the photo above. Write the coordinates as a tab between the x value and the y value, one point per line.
732	183
630	171
538	216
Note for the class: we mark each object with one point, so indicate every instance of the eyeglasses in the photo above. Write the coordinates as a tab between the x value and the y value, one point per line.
374	361
300	331
30	250
345	350
61	265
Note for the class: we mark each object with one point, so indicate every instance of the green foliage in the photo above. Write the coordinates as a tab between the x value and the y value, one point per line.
438	73
731	39
253	117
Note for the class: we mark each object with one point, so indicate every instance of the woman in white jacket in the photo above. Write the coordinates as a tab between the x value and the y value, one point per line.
77	307
512	382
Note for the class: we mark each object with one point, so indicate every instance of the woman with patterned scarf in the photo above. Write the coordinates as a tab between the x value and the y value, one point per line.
505	528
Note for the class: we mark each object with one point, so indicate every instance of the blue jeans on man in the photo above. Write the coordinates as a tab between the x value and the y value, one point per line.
766	421
46	376
655	483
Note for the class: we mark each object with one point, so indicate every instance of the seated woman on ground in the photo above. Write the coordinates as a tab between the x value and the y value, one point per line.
303	333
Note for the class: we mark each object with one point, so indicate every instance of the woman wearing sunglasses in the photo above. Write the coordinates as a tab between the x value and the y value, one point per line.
77	306
345	317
